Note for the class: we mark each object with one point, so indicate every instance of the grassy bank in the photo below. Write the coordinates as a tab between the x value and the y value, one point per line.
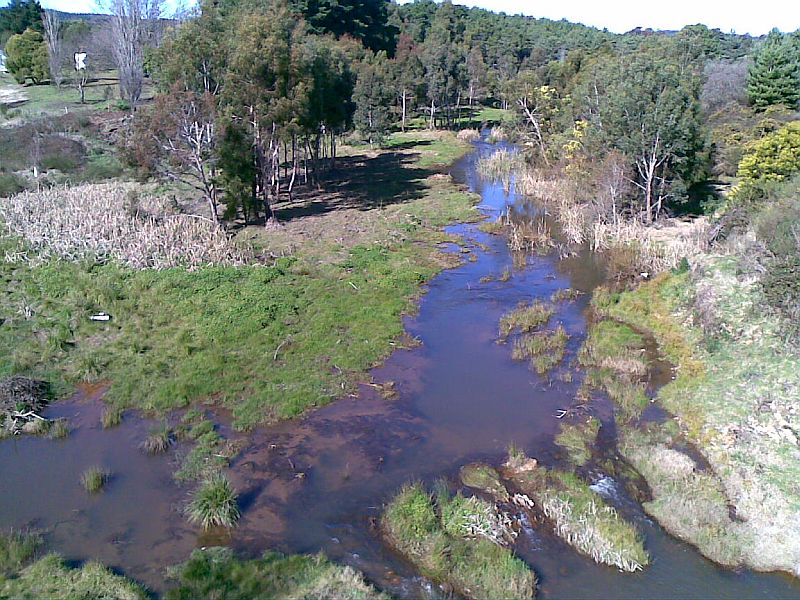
456	541
215	573
23	576
267	342
579	515
736	398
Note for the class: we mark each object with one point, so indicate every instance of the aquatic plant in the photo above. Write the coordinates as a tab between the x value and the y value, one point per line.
94	479
16	549
485	478
526	317
59	429
565	294
158	441
545	349
214	503
112	416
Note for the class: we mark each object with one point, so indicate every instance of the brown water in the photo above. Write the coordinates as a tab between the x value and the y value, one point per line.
319	483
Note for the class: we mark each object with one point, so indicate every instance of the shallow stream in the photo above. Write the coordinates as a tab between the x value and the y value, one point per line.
319	483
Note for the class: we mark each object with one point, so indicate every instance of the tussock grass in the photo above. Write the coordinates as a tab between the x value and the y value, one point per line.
496	135
111	417
469	135
17	548
51	578
492	227
216	573
525	318
545	349
485	478
578	439
94	479
59	429
214	503
476	567
158	441
581	517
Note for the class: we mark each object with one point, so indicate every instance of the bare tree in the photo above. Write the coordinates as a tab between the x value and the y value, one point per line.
55	47
132	23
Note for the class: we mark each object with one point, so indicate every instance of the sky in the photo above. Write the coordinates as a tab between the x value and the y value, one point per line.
755	18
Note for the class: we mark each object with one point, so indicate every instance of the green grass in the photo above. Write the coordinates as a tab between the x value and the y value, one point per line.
111	417
51	578
58	430
733	397
474	566
578	439
214	503
158	440
544	349
525	318
213	335
17	548
94	479
216	573
581	517
485	478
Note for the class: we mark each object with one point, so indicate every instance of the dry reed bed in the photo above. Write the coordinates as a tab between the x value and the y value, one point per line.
111	222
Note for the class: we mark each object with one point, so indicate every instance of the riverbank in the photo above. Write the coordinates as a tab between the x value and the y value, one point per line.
266	341
736	397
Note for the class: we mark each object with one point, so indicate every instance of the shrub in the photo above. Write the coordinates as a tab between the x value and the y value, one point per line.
59	162
775	157
214	503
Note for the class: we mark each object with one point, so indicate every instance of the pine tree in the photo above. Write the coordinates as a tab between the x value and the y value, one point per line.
774	78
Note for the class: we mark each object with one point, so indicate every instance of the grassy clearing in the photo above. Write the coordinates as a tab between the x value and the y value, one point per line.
580	516
51	578
94	479
268	342
214	503
525	318
485	478
578	439
216	573
736	398
476	566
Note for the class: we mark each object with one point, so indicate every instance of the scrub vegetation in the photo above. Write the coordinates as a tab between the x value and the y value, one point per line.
456	540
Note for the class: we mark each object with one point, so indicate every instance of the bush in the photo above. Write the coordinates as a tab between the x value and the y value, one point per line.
59	162
11	184
775	157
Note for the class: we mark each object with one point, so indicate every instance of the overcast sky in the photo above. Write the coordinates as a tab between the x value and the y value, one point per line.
754	17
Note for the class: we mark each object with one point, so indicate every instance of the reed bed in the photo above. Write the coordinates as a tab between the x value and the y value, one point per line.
112	222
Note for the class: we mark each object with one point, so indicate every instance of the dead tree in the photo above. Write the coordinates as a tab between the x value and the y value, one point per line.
55	47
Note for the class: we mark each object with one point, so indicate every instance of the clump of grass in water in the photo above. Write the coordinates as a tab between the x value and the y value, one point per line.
112	417
59	429
94	479
565	294
214	503
580	516
485	478
577	439
158	441
525	318
492	227
545	349
475	566
505	275
16	549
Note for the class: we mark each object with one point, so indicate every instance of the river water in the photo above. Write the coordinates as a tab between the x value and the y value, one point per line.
319	483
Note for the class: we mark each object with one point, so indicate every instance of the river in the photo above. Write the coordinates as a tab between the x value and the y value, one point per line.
319	483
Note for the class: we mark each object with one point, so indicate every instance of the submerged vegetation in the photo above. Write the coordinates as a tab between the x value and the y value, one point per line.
458	541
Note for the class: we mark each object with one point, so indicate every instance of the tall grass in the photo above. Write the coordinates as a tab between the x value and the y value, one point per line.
17	548
525	318
214	503
94	479
458	541
109	221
